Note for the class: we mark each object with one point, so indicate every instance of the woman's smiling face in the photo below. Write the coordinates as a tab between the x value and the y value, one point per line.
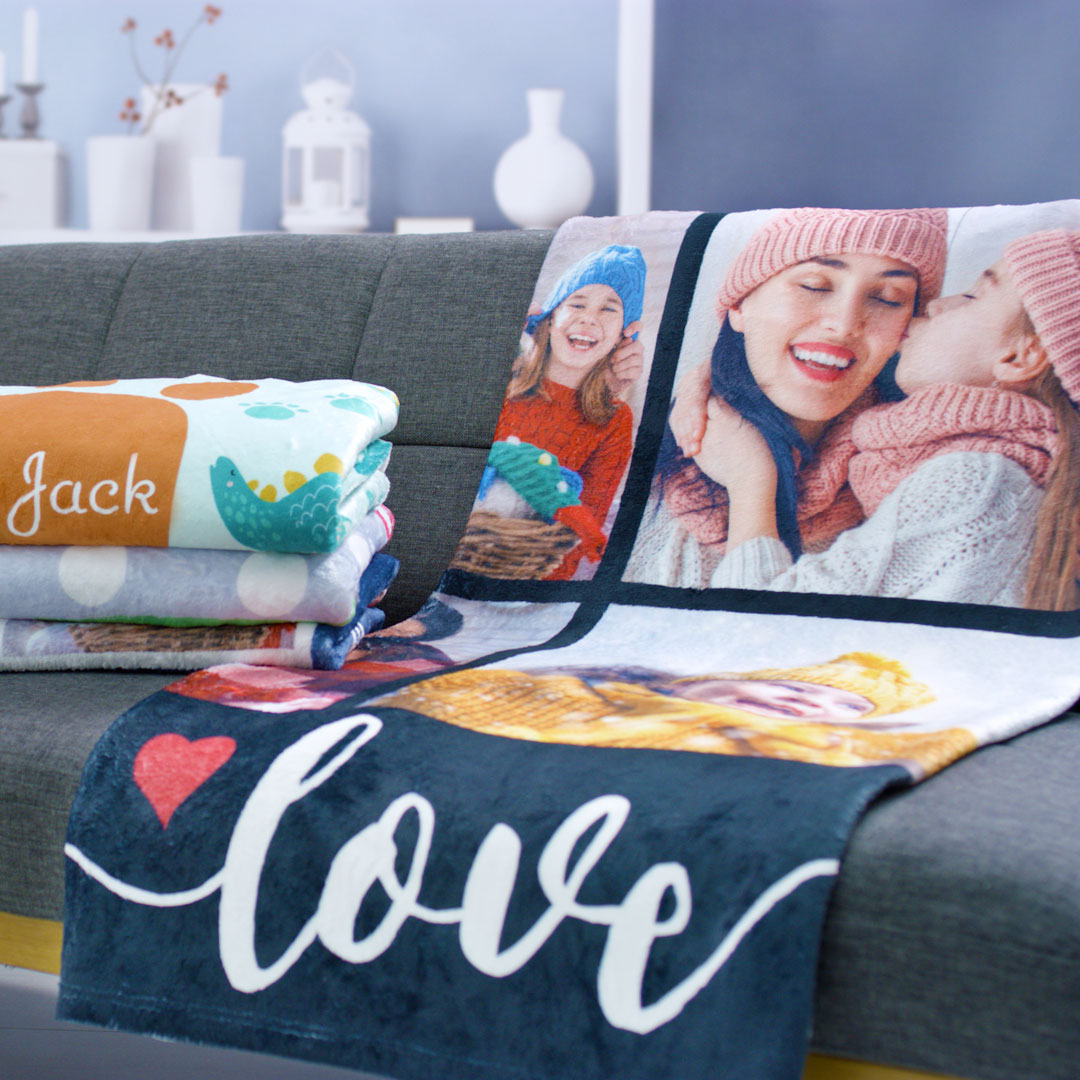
585	327
819	332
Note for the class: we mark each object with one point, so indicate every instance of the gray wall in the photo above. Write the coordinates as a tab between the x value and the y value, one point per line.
866	103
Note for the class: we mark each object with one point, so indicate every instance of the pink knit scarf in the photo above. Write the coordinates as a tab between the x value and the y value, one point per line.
892	441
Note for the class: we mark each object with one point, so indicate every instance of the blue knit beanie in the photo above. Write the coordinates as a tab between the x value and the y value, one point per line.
618	266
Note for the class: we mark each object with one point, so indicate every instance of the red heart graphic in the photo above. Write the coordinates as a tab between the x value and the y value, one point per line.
168	768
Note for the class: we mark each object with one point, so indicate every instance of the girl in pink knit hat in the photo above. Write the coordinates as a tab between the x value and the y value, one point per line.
971	483
810	311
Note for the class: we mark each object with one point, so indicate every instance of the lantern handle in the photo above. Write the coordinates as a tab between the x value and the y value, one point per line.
309	70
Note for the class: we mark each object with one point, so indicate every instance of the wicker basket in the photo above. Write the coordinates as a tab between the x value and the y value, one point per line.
502	547
135	637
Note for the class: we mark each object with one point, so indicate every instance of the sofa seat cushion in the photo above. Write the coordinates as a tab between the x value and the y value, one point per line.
53	720
953	935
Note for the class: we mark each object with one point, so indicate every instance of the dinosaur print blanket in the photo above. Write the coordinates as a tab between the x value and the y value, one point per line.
193	463
581	814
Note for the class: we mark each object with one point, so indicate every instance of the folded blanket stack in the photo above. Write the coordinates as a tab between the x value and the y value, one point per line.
179	523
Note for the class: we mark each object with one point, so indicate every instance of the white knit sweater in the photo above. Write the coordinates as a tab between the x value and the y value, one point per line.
958	528
667	553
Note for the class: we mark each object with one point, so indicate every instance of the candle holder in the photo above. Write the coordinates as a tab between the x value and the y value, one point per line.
30	118
4	99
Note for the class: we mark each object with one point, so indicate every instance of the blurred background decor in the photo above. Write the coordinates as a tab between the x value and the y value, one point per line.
159	95
441	85
30	84
180	134
143	180
119	182
901	113
543	178
326	156
217	194
31	168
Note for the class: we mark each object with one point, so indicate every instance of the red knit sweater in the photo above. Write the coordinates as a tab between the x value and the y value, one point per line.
599	453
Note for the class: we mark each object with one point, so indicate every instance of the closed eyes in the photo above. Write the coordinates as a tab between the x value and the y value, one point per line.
876	299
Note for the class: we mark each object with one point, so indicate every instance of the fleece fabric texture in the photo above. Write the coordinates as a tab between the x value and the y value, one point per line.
189	585
543	825
37	645
552	420
199	462
892	441
394	311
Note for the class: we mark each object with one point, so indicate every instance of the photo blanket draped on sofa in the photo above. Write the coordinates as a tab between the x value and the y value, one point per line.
580	816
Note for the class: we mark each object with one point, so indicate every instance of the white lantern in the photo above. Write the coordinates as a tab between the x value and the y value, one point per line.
326	175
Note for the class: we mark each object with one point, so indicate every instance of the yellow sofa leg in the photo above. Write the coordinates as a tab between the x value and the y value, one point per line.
819	1067
30	943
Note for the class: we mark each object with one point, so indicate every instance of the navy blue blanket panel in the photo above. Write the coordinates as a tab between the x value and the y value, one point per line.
661	856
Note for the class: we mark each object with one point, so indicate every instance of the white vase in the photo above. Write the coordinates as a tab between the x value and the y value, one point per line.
217	195
544	178
181	132
120	182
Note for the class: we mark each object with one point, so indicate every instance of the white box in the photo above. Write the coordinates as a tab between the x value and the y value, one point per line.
433	224
31	184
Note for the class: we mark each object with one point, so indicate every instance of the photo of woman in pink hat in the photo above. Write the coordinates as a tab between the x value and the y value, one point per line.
810	311
971	483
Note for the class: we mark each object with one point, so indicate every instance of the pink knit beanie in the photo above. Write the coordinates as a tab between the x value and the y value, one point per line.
916	237
1045	269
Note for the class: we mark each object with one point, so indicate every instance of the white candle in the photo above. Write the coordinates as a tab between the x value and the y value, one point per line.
30	46
326	194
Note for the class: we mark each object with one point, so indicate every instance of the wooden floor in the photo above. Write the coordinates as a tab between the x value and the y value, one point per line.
34	1045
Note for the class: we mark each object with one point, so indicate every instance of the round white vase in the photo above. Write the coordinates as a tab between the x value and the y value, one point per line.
119	182
544	178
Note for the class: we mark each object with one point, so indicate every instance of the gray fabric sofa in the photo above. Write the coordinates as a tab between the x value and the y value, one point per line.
953	940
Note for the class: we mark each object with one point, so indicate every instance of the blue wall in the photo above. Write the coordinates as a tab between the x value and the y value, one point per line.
441	84
758	102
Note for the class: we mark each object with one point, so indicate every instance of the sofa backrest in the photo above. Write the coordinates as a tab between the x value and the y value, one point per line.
435	318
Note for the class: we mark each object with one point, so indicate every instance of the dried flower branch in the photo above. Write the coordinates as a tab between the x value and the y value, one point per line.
129	114
163	95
